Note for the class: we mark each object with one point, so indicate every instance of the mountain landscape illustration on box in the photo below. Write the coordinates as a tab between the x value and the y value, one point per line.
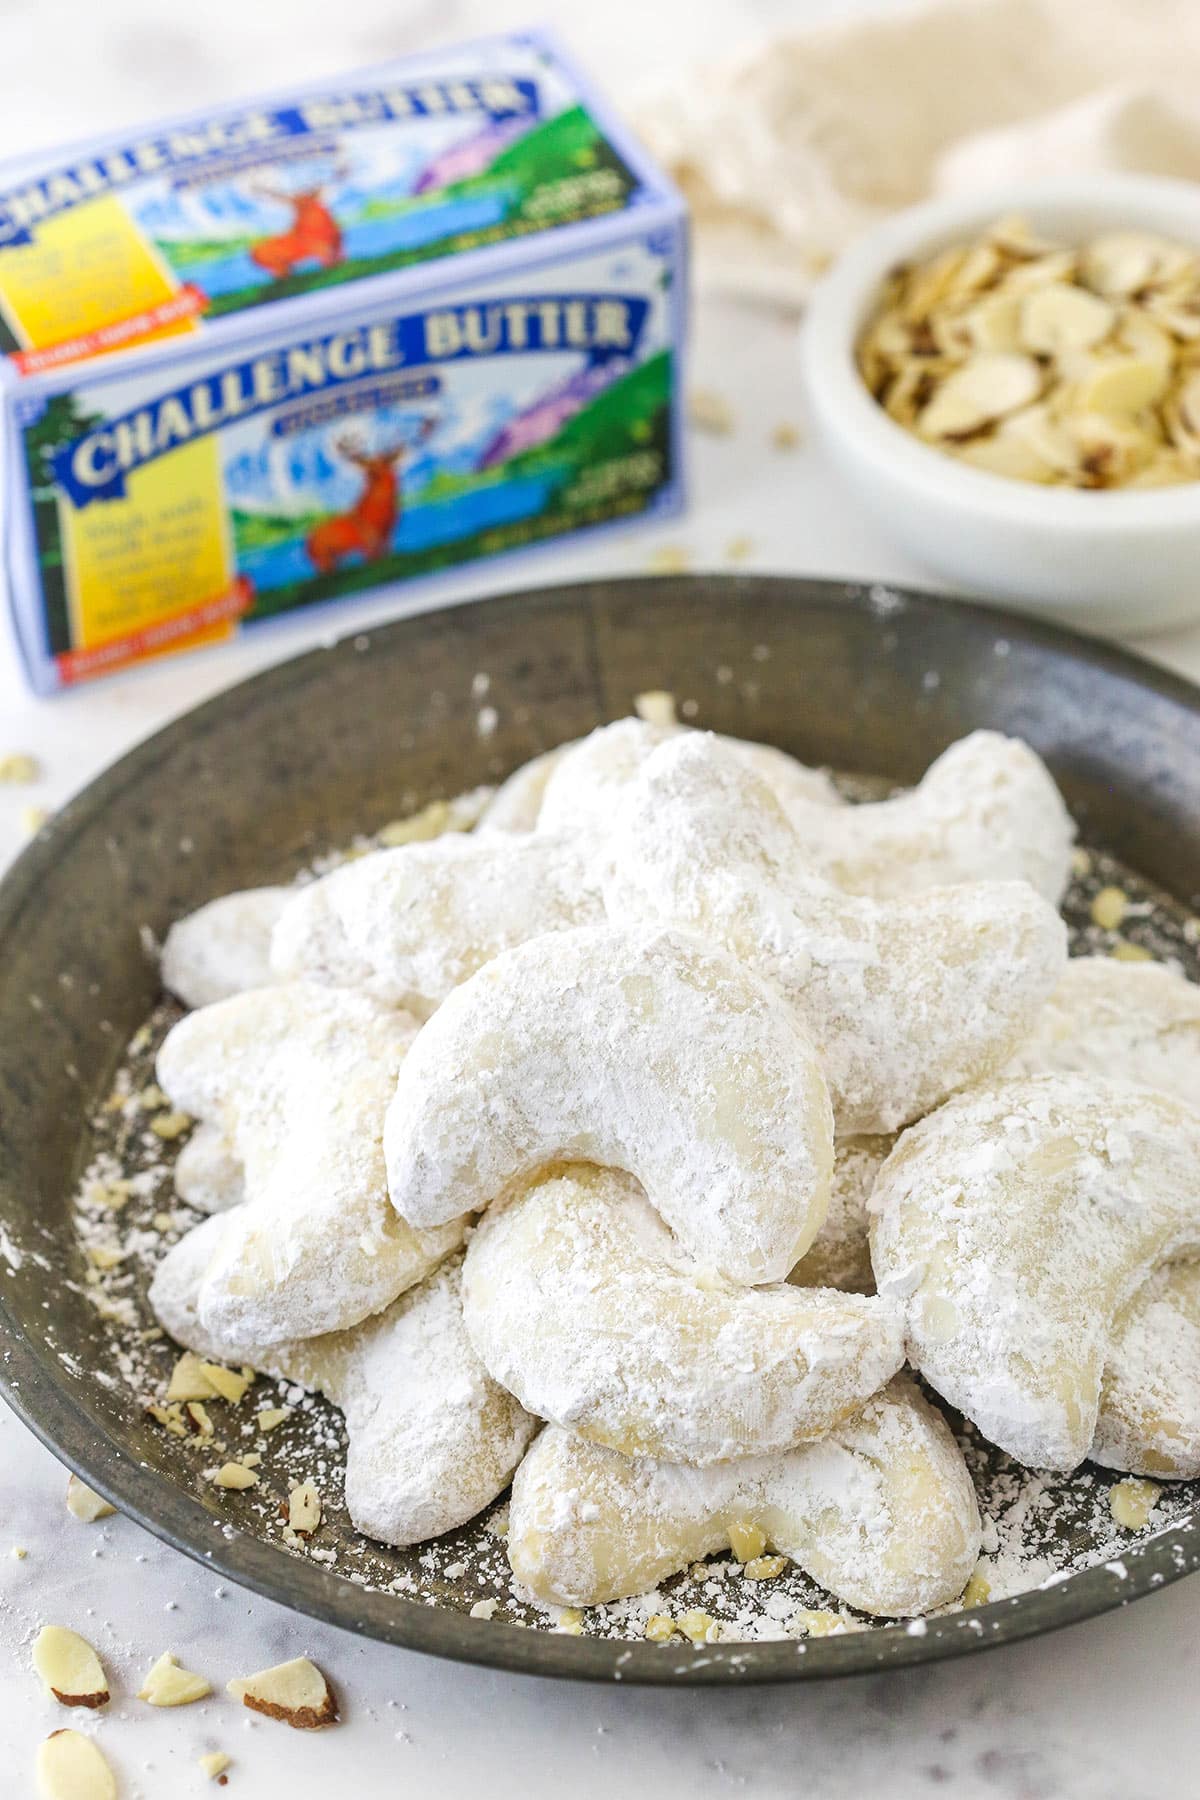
354	204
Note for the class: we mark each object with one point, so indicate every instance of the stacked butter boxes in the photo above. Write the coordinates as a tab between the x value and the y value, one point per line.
355	335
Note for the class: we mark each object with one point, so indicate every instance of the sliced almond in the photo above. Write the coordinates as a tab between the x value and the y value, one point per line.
188	1380
214	1764
70	1667
994	323
1027	277
1138	332
1120	384
70	1767
989	386
168	1684
304	1507
84	1503
1060	317
1122	262
1005	455
295	1692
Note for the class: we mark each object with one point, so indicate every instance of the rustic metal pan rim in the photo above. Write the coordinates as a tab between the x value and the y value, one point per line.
139	1491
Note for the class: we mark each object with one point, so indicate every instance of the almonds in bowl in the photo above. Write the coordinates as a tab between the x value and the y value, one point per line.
1066	364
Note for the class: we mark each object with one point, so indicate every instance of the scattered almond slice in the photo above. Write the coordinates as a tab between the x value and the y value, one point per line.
656	707
196	1414
233	1475
168	1684
709	411
215	1764
699	1626
1131	1502
295	1692
227	1384
32	818
992	384
71	1767
84	1503
304	1507
764	1568
747	1540
70	1667
189	1381
18	769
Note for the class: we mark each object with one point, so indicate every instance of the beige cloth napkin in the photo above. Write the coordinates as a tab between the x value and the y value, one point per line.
791	149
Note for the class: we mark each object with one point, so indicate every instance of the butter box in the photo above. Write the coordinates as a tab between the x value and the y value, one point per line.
360	334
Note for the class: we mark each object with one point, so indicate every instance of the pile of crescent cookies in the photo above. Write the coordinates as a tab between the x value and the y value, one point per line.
635	1146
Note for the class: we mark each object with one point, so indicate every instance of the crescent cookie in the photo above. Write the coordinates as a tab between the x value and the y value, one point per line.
208	1174
223	948
906	1001
297	1078
1136	1022
986	810
644	1050
881	1512
1149	1421
516	803
1015	1224
590	776
580	1303
840	1256
410	925
431	1438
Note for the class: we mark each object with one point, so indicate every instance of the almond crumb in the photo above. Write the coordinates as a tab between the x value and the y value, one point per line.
170	1125
978	1590
304	1507
484	1609
32	819
660	1628
699	1626
1109	907
1132	1501
764	1568
214	1764
229	1384
295	1692
272	1416
233	1475
84	1503
785	436
569	1622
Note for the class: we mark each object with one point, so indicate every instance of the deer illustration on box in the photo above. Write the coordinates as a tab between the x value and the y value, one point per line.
314	235
367	528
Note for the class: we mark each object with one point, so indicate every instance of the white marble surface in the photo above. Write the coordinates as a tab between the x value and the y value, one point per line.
1107	1710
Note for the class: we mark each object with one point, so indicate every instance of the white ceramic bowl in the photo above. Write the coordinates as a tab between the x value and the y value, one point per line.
1107	561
